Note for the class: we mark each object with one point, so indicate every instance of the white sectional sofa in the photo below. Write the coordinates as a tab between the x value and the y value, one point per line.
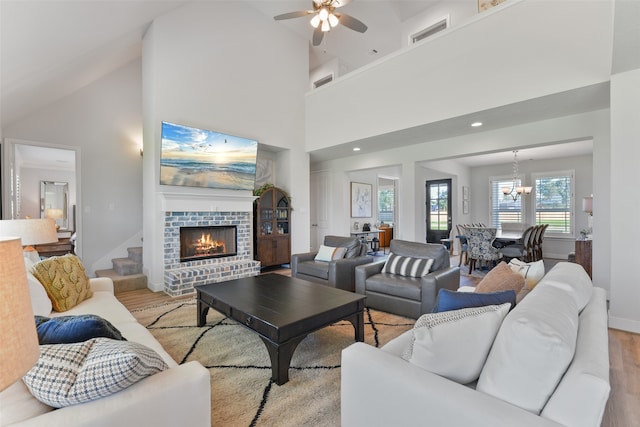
523	381
177	396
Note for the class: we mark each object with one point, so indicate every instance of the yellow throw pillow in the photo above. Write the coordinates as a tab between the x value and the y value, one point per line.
65	281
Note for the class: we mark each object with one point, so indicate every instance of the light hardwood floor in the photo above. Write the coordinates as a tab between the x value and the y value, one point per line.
623	407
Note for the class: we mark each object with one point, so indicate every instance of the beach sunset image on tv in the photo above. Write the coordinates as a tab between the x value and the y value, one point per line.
201	158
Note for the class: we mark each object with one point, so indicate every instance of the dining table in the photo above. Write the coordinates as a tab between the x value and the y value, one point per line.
509	237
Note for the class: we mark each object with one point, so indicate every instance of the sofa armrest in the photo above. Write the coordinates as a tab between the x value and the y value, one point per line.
342	271
296	258
381	389
447	278
364	271
177	396
101	284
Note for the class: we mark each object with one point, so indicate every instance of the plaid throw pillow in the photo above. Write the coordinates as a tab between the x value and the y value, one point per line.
67	374
407	266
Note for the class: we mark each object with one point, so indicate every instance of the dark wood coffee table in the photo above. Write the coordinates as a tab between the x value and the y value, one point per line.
282	311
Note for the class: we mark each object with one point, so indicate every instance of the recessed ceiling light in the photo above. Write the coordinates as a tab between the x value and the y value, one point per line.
476	124
356	148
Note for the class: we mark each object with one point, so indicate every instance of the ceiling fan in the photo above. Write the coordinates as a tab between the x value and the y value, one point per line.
324	18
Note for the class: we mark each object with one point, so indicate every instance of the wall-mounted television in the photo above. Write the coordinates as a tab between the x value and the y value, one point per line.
194	157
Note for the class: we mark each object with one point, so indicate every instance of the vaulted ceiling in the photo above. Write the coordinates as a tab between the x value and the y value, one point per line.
51	48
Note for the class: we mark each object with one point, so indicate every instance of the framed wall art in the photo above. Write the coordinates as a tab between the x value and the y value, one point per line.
361	200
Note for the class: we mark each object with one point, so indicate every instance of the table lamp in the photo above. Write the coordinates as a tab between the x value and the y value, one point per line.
587	206
32	232
19	350
55	214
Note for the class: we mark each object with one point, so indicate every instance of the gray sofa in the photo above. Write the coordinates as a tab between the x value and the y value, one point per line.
338	273
407	296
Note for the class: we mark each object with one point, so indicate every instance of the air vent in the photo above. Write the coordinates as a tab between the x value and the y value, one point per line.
442	24
323	81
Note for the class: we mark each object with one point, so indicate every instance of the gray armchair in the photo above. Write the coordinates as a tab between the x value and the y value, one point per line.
338	273
408	296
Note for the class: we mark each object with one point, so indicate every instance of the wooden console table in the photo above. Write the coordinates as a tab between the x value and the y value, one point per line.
583	254
62	247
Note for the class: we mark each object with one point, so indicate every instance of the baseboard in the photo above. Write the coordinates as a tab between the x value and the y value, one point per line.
624	324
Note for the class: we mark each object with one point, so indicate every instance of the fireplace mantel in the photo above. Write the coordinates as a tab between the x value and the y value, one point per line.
220	201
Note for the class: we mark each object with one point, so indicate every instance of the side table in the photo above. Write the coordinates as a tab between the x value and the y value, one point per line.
583	254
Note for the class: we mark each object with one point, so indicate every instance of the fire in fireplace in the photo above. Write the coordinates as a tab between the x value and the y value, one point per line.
204	242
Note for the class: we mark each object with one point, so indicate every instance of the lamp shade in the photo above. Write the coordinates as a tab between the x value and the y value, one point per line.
19	349
31	231
587	205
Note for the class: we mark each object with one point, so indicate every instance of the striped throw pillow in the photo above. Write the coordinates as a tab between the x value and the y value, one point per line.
407	266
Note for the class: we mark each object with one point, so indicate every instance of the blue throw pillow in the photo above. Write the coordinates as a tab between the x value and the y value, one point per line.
73	329
449	300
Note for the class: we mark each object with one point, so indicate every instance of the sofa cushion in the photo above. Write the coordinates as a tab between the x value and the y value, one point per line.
330	253
70	329
351	243
67	374
437	252
531	271
455	344
407	266
572	278
314	268
64	279
449	300
533	349
501	278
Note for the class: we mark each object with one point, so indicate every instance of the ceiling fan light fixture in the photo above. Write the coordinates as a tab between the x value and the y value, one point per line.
333	20
325	26
315	21
323	14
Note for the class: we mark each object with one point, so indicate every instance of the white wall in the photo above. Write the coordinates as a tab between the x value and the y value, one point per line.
462	70
625	200
222	66
104	120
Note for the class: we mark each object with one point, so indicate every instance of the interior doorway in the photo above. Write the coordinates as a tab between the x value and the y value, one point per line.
26	166
439	214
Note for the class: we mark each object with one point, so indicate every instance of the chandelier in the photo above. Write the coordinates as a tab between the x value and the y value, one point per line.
516	189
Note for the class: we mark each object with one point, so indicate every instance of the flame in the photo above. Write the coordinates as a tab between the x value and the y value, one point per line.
206	245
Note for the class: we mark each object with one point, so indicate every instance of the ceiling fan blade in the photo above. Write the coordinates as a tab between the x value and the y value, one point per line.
351	22
318	34
290	15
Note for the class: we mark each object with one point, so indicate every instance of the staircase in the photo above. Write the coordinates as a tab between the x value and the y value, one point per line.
126	272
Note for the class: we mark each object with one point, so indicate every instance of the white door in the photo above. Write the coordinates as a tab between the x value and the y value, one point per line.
320	207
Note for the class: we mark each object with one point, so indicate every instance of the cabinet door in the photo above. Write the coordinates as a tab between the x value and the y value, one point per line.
282	250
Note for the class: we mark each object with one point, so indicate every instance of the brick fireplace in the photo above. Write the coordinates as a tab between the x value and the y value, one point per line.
207	263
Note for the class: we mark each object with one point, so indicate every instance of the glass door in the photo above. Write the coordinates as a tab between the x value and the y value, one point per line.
438	210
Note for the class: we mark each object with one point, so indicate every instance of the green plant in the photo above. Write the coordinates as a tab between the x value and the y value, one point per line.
258	191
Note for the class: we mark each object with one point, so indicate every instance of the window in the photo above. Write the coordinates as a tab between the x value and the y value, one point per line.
504	208
386	201
554	202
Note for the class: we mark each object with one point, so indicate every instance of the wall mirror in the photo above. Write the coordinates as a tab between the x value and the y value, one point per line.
54	202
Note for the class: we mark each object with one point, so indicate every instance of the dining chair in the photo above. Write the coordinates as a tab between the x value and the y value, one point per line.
480	240
462	238
537	244
523	250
